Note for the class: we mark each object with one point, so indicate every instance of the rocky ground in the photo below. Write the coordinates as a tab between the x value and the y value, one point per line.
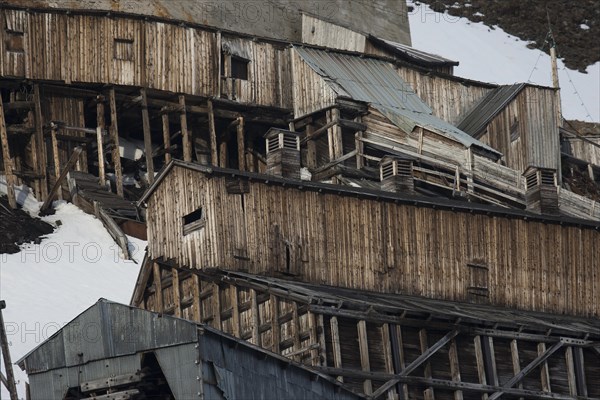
575	24
18	227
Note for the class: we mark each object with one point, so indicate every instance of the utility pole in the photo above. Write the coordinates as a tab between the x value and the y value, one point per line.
9	380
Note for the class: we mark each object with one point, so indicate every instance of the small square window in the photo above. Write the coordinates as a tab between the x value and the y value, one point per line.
15	41
239	68
193	221
123	49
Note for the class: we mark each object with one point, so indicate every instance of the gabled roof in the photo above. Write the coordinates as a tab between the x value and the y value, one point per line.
376	82
413	55
477	119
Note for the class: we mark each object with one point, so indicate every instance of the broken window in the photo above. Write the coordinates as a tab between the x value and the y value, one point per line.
15	41
193	221
123	49
239	68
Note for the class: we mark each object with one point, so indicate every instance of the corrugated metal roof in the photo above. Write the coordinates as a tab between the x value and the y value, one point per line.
411	54
376	82
477	119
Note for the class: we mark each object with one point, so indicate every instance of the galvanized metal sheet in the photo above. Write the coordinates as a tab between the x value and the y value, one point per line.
376	82
418	55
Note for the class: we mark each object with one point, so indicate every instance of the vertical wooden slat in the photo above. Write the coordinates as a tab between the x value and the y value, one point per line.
56	159
114	135
213	135
275	328
99	132
147	136
41	143
185	134
335	342
255	318
364	355
166	135
176	292
158	287
8	161
240	144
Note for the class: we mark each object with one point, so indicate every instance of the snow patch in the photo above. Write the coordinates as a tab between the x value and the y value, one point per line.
585	27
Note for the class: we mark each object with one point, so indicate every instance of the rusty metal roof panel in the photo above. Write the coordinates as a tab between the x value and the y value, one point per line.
376	82
477	119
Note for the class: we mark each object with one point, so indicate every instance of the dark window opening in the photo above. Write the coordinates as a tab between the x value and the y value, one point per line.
288	258
239	68
123	49
193	221
15	41
514	131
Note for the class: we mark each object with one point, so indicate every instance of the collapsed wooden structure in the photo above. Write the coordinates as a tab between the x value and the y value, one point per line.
346	202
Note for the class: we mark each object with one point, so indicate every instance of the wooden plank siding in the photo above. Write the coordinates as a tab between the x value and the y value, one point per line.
373	245
311	92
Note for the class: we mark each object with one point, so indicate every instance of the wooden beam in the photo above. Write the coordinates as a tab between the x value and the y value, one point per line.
530	367
479	359
240	144
114	135
82	165
275	327
314	338
8	162
580	371
424	345
516	363
490	360
235	304
196	294
296	326
60	178
147	136
223	152
56	160
216	305
398	357
417	363
322	339
311	149
9	380
335	342
336	145
100	126
544	371
166	136
319	132
185	134
256	339
158	293
571	371
214	158
386	346
365	363
176	292
455	367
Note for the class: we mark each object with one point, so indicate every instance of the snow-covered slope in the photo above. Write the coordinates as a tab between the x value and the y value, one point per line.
491	55
47	285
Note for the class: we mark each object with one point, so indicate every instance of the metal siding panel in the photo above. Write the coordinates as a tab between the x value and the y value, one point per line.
178	363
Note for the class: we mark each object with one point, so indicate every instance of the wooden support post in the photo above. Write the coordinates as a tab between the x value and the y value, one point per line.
59	179
99	131
386	345
571	371
176	291
34	152
580	371
114	135
338	147
235	315
216	305
469	165
147	136
41	143
335	342
255	318
56	160
365	363
398	358
360	148
158	288
296	327
311	149
544	372
490	360
275	328
240	144
423	343
166	135
82	164
322	340
480	364
8	161
197	303
214	158
314	339
10	376
455	367
516	362
223	154
185	134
